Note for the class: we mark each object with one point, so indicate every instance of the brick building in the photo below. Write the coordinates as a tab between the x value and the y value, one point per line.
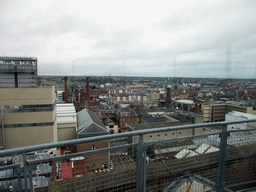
89	125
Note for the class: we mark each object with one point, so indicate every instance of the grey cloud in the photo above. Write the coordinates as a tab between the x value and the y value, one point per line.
217	25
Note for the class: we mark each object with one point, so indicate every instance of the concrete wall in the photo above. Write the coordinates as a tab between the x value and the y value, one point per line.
66	132
165	135
26	136
18	132
27	96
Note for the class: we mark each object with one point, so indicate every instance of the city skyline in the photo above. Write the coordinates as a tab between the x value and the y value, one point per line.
181	39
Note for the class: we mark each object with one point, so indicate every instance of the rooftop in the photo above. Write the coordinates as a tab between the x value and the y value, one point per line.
243	115
66	113
89	124
143	126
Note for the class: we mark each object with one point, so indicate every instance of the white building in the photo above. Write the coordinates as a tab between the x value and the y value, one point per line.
239	116
66	121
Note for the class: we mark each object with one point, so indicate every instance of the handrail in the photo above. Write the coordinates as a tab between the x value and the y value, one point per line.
113	136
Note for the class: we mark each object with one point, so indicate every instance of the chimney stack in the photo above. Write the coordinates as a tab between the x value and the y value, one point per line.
88	92
168	101
66	90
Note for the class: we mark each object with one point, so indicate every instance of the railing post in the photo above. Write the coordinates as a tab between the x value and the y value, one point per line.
25	172
222	158
17	172
31	186
141	165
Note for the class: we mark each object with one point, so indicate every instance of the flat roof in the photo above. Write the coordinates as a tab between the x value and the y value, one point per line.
142	126
66	113
241	114
18	59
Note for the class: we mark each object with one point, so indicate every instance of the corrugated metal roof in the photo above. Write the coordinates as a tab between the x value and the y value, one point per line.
66	119
66	113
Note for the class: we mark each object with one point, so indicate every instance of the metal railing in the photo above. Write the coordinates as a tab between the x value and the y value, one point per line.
198	157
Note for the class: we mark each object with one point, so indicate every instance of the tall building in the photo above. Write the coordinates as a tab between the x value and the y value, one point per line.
168	102
214	112
18	71
28	112
29	116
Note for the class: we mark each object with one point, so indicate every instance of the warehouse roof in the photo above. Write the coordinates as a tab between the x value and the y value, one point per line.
89	124
66	113
243	115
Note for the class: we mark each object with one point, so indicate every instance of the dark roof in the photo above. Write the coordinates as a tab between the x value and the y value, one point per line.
171	109
18	59
151	119
109	122
6	174
6	161
41	169
89	124
143	126
40	182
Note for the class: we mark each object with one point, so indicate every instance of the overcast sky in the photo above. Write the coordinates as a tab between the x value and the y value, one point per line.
187	38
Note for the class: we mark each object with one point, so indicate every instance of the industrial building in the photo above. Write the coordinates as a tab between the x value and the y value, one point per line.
89	125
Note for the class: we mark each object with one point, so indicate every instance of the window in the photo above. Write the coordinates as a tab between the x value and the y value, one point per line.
93	147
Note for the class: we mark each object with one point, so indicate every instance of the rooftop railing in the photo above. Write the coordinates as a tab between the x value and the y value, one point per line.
217	156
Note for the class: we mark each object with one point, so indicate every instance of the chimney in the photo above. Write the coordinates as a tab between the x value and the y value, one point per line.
88	91
88	87
168	101
66	90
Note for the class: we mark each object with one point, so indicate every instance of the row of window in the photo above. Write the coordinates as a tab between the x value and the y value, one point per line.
165	135
27	125
31	108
